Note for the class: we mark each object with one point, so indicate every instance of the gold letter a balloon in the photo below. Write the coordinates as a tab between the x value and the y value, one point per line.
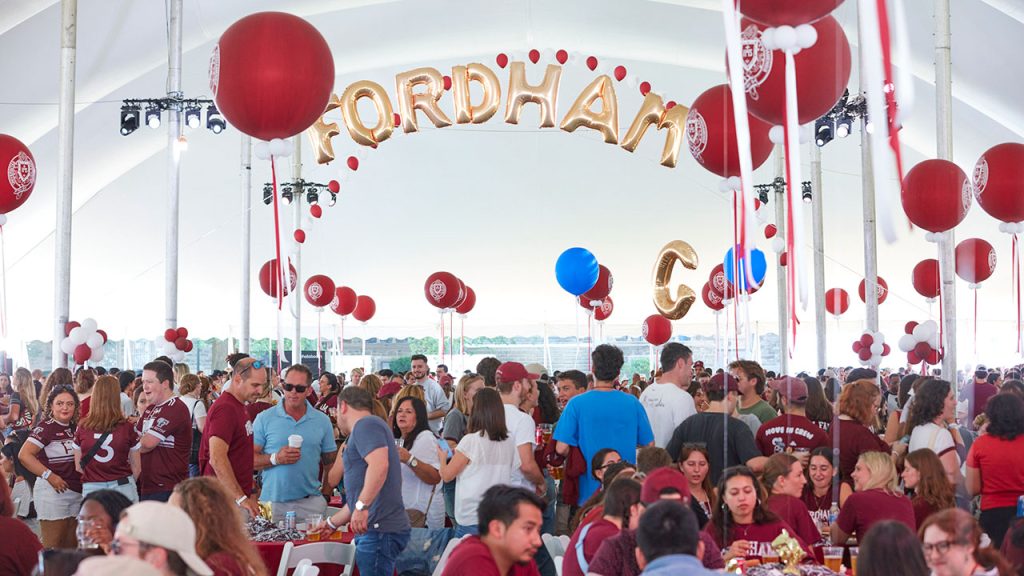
669	307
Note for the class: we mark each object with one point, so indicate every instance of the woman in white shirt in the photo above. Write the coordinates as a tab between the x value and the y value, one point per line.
189	389
485	456
932	425
417	450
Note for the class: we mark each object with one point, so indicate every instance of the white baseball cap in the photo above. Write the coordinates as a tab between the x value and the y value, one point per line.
165	526
115	566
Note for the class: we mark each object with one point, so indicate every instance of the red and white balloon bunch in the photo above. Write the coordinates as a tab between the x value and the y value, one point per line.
177	343
83	341
921	342
447	293
870	348
597	300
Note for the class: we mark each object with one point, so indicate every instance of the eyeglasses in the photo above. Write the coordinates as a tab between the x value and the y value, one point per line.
939	547
295	387
607	464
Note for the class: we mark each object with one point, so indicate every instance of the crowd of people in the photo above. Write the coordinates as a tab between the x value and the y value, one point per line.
692	472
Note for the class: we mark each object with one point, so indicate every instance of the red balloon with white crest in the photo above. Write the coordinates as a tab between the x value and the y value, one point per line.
711	134
319	290
975	260
881	288
656	329
999	182
365	308
269	279
936	195
602	312
442	290
603	287
17	173
711	298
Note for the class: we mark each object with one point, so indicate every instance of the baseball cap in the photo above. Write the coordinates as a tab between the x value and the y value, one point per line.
389	389
115	566
165	526
723	382
793	389
513	372
660	480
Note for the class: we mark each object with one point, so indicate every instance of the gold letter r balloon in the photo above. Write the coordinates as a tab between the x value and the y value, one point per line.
669	307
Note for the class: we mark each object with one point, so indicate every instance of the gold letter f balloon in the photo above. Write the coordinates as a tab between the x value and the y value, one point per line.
669	307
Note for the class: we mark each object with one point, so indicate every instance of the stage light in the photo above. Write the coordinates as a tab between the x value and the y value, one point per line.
268	195
286	195
312	197
823	132
129	119
844	126
806	192
333	200
153	116
193	116
214	121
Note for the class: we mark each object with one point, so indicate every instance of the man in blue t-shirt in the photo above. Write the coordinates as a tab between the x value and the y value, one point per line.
603	418
373	486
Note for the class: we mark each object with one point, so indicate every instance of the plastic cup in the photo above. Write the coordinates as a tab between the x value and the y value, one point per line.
295	441
853	560
313	524
833	557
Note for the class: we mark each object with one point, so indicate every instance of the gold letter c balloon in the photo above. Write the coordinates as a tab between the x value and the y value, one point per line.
669	307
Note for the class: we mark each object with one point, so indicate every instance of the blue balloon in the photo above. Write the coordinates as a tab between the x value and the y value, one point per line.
576	271
758	266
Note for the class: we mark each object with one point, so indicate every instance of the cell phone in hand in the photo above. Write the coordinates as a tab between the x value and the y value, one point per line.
444	446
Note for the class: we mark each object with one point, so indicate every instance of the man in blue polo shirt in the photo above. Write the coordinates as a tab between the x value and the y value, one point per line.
291	480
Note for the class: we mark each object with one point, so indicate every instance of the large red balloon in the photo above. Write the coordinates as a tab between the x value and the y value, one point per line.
882	289
442	289
656	329
711	133
463	294
319	290
344	301
365	309
268	278
936	195
602	312
711	298
837	301
467	305
925	278
271	75
787	12
975	260
17	173
603	287
999	182
822	73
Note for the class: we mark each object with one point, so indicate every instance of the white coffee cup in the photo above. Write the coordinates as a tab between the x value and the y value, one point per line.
295	441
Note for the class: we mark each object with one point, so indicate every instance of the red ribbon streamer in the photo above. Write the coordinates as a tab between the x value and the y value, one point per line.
281	274
890	91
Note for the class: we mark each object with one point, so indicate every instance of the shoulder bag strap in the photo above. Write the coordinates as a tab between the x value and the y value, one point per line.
92	451
580	559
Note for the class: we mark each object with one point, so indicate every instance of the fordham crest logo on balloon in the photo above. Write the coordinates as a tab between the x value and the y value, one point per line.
980	177
316	290
991	261
718	282
643	331
966	192
21	173
715	297
606	305
438	290
215	70
696	134
757	60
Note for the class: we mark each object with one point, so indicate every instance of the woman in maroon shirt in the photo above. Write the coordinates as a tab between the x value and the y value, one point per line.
821	478
741	526
858	406
19	547
923	473
784	477
877	497
621	511
115	463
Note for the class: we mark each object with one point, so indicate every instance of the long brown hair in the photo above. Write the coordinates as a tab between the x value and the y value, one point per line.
933	487
488	416
777	466
855	401
218	524
963	529
722	521
84	381
26	389
105	412
59	377
708	487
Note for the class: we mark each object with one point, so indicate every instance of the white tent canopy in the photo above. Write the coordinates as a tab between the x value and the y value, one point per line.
494	203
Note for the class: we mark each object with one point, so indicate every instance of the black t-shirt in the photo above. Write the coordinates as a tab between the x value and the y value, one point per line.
710	429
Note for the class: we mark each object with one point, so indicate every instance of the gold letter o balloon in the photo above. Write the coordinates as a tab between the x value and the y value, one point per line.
677	307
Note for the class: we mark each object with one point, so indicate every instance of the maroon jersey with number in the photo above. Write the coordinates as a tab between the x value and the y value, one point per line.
167	464
110	461
229	421
57	451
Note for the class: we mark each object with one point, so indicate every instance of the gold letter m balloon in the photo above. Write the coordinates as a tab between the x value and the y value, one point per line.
669	307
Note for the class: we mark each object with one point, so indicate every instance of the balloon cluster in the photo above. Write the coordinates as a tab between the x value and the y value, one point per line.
921	342
446	292
177	343
597	300
870	348
83	341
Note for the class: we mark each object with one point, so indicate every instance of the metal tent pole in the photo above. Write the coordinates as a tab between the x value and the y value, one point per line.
243	341
944	144
818	238
173	163
780	271
297	219
65	177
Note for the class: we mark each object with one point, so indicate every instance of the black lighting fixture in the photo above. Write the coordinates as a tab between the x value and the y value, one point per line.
192	109
286	195
838	122
778	185
312	196
291	191
805	191
268	194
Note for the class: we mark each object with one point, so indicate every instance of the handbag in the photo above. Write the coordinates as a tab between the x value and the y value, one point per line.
417	518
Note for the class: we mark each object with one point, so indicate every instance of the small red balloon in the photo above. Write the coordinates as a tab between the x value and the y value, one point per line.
562	56
837	301
180	343
534	55
866	340
783	259
770	230
857	346
934	357
182	332
882	288
268	277
365	309
711	298
670	104
398	120
70	326
447	82
909	327
319	290
17	173
300	236
645	87
468	303
925	278
656	329
864	354
316	211
353	163
170	334
592	63
922	349
502	60
913	358
344	301
620	72
334	186
82	353
975	260
188	346
886	349
602	312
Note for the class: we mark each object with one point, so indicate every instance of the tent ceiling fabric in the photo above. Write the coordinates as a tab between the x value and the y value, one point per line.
493	203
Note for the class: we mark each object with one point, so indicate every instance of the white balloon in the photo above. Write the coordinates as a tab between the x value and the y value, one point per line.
906	343
806	35
723	186
878	337
876	348
3	219
932	325
920	333
78	335
785	37
279	147
1019	229
778	244
777	134
67	346
1007	227
169	348
89	325
768	38
735	183
262	150
934	341
97	354
94	341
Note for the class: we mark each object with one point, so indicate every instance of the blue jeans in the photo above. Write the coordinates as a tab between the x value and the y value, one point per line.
467	530
448	488
376	552
548	526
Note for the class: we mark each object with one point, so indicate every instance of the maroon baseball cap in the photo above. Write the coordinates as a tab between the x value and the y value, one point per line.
389	389
660	480
723	382
513	372
794	389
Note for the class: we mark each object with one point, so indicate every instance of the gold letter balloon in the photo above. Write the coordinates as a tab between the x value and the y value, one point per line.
385	122
677	307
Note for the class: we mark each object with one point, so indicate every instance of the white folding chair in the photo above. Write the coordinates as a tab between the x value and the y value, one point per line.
553	544
318	553
306	568
564	539
558	564
444	555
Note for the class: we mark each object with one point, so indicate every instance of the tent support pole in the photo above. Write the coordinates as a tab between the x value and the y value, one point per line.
870	234
243	340
818	237
173	164
299	292
944	143
780	272
65	180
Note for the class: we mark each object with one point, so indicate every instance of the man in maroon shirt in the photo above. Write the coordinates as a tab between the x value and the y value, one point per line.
510	520
978	392
165	434
791	432
226	450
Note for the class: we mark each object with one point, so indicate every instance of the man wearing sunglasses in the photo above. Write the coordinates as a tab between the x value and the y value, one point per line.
290	474
226	450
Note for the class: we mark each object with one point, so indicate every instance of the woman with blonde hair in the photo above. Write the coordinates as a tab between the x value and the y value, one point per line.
221	540
24	405
372	384
876	497
180	370
106	444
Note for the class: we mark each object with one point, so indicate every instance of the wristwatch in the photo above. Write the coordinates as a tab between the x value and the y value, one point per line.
46	475
413	462
360	506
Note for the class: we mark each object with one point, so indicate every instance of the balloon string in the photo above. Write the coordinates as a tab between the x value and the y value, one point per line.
319	364
792	172
451	337
735	275
277	243
1014	285
342	345
442	336
975	321
590	362
890	91
462	339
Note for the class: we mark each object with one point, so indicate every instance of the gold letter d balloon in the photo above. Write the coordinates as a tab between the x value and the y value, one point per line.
677	307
